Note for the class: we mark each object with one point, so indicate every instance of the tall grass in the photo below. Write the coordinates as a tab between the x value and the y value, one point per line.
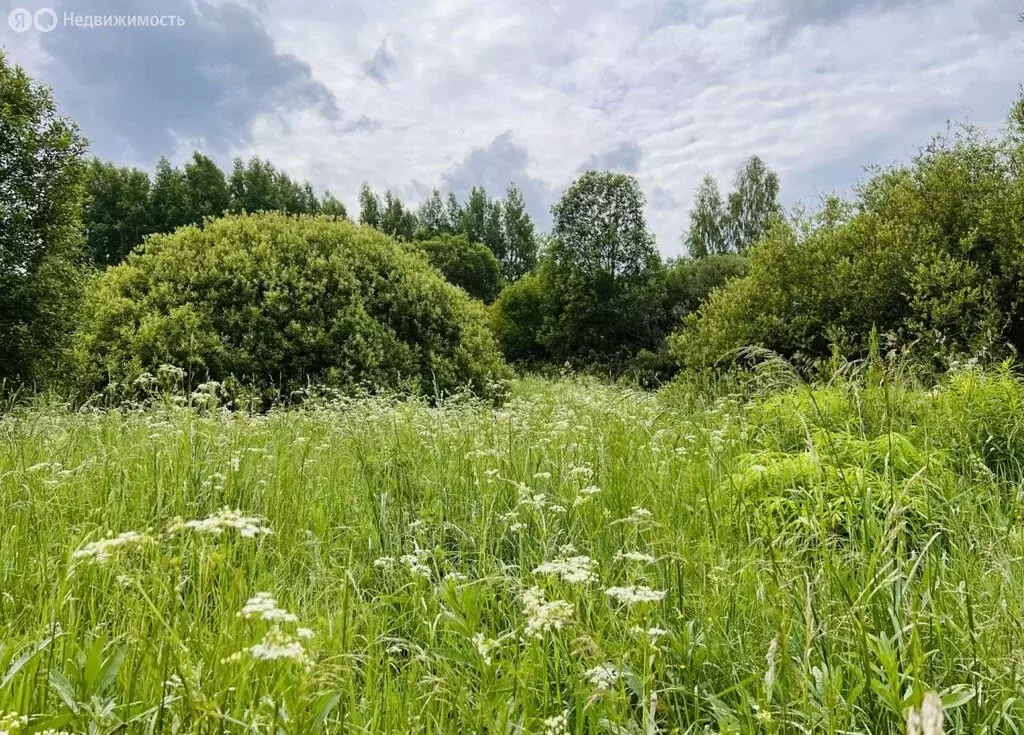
808	560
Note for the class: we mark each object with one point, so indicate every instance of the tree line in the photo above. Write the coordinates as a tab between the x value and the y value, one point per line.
926	254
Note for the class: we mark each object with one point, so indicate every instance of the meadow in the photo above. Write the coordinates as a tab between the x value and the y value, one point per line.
584	558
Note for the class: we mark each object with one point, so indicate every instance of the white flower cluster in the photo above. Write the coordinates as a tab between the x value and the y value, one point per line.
484	646
415	562
544	616
557	725
634	594
634	556
100	552
603	677
277	644
223	520
929	719
263	606
573	569
12	722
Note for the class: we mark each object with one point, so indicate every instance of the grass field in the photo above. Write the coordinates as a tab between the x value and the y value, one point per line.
584	559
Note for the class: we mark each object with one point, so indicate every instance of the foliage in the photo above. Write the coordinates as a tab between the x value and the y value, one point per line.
469	265
116	214
601	272
122	208
930	254
40	225
276	302
518	317
820	559
733	226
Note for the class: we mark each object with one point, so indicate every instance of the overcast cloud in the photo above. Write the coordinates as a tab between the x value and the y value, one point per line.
411	94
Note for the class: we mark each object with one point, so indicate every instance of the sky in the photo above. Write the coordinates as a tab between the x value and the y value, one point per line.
416	94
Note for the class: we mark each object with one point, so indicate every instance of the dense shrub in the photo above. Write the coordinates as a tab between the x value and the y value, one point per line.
469	265
276	302
931	254
517	318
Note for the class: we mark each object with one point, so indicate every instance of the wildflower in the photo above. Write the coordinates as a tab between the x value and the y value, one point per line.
484	647
415	562
12	722
275	646
263	606
384	562
573	570
652	634
635	556
557	725
584	472
634	594
927	721
100	552
542	476
544	616
236	464
603	677
304	633
224	520
640	514
516	527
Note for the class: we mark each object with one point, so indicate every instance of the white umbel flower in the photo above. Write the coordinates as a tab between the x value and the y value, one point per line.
263	606
223	520
544	616
929	719
100	552
573	569
634	594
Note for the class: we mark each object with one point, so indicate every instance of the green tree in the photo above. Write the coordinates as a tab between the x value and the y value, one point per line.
395	219
518	318
521	243
370	209
170	206
332	206
753	205
207	186
116	213
41	171
473	216
603	271
433	217
706	234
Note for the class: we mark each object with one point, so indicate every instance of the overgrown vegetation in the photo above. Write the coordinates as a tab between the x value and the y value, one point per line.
277	303
802	559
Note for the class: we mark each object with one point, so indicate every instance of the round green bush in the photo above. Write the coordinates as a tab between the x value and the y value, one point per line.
278	303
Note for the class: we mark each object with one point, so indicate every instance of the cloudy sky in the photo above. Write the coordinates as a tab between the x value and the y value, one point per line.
412	94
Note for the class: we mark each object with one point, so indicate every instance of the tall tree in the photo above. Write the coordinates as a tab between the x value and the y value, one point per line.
395	219
706	235
599	227
369	206
433	217
170	206
207	188
753	204
602	271
332	206
521	243
252	185
473	217
116	214
41	193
